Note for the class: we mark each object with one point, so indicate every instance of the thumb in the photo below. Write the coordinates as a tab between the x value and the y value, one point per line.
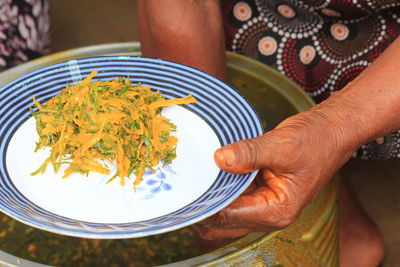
245	156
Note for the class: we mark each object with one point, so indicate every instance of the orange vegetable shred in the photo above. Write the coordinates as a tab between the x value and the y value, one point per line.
93	125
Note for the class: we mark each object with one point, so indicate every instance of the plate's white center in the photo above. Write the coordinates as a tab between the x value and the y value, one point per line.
91	199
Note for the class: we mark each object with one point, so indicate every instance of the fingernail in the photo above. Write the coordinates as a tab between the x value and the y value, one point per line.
227	156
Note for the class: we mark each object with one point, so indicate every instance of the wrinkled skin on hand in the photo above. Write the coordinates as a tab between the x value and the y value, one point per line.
301	154
294	160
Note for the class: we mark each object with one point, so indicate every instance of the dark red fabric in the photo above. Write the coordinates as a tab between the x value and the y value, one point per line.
320	45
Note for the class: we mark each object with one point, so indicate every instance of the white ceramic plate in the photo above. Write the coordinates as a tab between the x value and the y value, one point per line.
182	193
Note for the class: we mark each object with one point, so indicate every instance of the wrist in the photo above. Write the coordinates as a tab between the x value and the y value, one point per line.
349	120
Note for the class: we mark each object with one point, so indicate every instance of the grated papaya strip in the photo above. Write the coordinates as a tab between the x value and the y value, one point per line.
92	125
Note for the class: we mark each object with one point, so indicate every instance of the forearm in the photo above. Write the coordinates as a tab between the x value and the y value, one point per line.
184	31
368	107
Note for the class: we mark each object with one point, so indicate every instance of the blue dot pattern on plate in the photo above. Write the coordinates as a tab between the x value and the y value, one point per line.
224	109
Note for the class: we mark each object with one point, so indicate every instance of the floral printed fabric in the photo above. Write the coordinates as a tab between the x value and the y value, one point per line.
24	31
319	44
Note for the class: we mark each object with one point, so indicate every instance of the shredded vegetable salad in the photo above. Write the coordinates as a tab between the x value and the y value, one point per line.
93	124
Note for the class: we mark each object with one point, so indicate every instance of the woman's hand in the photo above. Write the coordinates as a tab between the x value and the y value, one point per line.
294	160
300	155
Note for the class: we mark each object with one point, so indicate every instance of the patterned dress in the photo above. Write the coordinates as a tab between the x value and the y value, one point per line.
24	31
319	44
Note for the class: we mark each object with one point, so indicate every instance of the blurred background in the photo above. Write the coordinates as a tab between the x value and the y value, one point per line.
77	23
